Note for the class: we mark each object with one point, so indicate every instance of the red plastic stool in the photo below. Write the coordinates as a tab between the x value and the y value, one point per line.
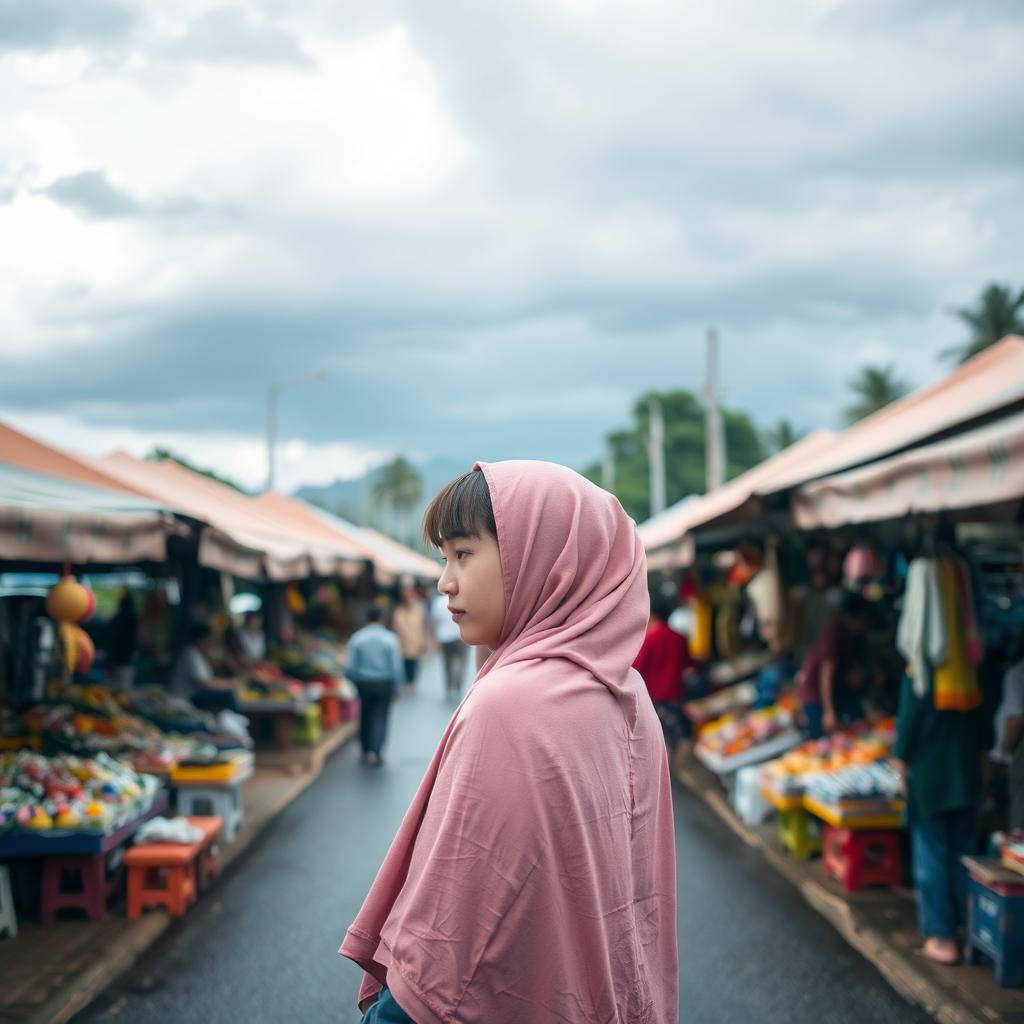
859	858
330	712
77	883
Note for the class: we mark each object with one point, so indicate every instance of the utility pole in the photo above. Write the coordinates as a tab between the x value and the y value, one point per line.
271	431
273	392
714	431
656	456
608	470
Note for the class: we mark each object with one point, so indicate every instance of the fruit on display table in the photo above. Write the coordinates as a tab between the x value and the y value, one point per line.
864	782
88	720
734	734
859	745
68	793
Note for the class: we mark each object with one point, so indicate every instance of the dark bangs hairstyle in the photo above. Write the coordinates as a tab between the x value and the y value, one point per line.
460	509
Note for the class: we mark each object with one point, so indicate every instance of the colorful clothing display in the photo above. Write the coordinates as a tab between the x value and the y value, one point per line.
938	634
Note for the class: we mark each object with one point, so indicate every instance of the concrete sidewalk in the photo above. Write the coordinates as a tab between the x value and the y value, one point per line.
48	974
879	924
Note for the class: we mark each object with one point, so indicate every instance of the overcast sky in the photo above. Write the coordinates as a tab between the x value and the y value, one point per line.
493	225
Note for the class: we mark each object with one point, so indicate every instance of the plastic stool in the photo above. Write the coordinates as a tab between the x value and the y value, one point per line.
306	727
859	858
330	712
8	918
92	892
800	834
224	802
995	929
171	875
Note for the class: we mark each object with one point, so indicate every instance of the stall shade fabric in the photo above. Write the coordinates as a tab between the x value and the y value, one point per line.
979	468
237	528
663	535
47	519
398	559
302	516
991	381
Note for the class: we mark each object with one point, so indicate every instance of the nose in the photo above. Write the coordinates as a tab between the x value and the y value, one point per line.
446	584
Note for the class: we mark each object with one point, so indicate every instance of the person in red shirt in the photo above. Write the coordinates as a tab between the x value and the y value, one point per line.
663	659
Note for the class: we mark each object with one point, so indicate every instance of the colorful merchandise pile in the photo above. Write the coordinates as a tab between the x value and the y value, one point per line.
856	787
56	795
789	775
736	734
86	720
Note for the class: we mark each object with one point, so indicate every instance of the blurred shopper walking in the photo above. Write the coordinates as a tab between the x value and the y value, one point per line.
409	622
453	651
374	665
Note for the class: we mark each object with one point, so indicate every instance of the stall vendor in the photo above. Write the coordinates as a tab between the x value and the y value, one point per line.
193	678
823	683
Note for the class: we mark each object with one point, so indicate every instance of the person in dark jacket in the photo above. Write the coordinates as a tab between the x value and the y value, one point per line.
940	754
122	643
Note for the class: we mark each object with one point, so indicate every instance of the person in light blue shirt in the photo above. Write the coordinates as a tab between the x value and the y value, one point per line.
374	665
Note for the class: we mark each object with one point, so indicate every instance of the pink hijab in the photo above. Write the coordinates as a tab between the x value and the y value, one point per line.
533	877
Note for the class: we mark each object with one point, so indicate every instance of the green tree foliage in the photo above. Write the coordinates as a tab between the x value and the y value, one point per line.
782	436
998	312
159	454
683	414
875	387
398	487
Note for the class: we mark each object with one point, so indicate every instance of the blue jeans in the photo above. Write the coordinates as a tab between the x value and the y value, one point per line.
386	1011
938	844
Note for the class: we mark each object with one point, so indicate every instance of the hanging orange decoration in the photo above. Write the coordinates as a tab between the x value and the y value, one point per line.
70	601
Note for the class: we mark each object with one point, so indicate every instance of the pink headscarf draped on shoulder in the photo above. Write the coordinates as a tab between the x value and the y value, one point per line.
533	877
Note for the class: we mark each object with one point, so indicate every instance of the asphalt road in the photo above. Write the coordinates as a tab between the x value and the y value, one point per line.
261	947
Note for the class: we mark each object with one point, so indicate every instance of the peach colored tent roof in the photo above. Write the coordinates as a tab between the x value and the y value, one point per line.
990	381
975	469
18	449
302	516
413	563
669	528
244	535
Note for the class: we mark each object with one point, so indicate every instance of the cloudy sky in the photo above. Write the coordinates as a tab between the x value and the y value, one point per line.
492	225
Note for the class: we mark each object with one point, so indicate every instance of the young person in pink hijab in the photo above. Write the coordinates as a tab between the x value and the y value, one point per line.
533	877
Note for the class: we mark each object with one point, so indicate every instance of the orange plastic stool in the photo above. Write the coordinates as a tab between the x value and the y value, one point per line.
859	858
165	874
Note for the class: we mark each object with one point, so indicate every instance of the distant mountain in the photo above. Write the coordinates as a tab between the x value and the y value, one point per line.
353	499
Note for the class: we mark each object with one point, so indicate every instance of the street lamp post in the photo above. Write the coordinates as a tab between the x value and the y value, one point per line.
273	393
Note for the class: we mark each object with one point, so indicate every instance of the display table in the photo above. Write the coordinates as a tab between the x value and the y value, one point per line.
83	843
767	751
216	798
84	858
726	673
280	713
875	815
725	702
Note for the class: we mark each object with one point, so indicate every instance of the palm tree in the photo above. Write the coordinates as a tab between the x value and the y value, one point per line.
398	486
998	313
875	387
782	435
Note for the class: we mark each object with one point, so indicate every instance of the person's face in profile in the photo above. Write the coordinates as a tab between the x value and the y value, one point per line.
472	583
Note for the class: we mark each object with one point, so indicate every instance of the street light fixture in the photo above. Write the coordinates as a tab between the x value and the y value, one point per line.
273	391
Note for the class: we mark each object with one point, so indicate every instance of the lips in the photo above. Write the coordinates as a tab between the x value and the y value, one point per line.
457	613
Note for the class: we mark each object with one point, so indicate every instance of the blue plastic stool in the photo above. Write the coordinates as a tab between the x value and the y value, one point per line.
995	922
